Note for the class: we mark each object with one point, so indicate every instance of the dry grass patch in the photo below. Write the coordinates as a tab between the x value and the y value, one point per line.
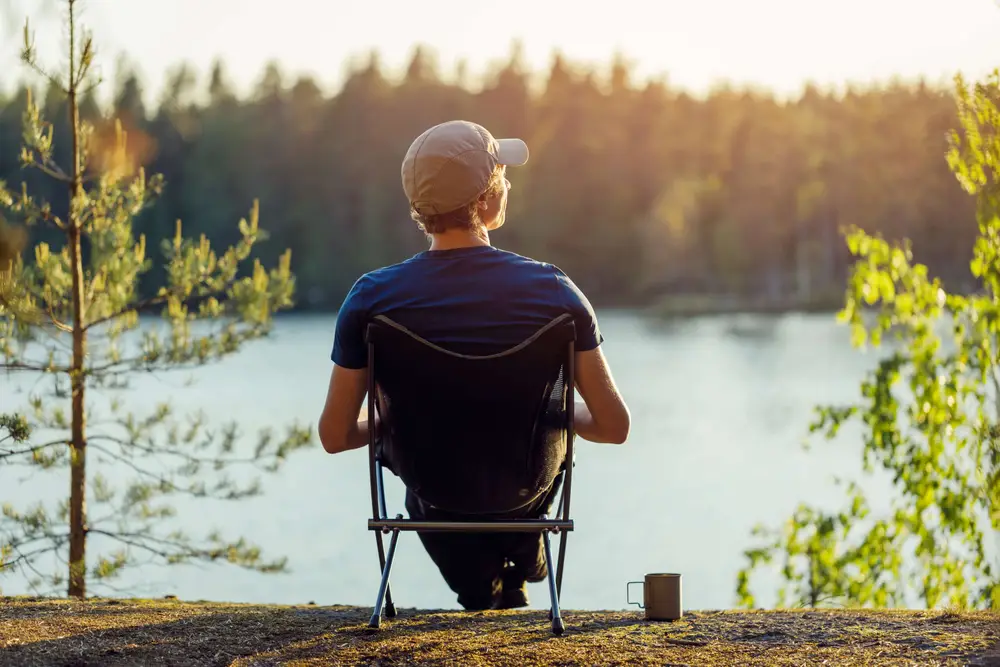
168	632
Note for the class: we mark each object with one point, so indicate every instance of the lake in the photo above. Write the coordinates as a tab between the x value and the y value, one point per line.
720	407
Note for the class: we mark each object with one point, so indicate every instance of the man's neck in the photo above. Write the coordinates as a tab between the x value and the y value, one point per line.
459	238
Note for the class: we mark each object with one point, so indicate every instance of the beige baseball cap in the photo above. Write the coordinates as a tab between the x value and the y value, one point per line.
450	165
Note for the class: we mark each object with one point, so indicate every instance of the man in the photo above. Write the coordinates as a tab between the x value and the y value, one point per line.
461	291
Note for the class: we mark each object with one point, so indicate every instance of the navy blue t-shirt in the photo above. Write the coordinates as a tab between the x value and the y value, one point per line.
477	295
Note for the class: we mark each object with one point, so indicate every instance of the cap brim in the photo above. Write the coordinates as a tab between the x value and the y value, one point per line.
512	152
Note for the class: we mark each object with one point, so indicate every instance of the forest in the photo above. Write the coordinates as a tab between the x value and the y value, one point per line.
638	190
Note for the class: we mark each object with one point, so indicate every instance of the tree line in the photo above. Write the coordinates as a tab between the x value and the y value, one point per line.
636	189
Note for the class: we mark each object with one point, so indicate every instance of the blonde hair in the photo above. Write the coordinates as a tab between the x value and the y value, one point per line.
463	217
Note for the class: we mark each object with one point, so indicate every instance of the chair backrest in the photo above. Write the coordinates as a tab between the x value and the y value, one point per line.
467	430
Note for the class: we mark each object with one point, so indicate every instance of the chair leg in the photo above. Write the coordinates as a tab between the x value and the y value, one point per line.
562	559
557	622
390	608
383	589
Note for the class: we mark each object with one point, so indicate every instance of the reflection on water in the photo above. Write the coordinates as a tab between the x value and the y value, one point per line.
720	406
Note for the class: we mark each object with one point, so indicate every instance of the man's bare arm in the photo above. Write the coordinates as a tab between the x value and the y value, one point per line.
341	427
603	415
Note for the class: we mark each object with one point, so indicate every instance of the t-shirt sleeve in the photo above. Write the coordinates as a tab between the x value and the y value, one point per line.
588	333
349	347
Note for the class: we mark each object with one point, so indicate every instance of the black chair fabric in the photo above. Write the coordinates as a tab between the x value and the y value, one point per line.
470	430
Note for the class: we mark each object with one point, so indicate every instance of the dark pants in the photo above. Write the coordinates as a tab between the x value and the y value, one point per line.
473	564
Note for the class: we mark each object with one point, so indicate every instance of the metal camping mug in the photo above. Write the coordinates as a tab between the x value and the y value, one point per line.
661	596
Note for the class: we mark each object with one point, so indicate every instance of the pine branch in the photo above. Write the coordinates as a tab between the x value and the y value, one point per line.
30	556
131	535
148	304
27	559
93	85
65	328
187	457
178	550
16	426
31	367
26	208
192	356
132	365
54	80
51	169
166	484
4	454
31	535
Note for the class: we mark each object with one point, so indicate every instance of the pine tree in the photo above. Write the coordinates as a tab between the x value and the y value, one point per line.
85	293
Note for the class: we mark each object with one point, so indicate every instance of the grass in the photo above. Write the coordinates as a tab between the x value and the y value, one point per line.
39	631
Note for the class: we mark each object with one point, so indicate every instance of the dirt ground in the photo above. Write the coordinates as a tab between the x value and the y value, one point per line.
169	632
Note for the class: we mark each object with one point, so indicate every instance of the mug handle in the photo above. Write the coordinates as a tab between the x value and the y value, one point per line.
628	597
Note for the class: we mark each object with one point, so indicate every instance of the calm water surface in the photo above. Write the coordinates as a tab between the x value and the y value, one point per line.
720	408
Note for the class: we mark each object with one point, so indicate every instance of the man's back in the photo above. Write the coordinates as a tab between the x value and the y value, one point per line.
474	298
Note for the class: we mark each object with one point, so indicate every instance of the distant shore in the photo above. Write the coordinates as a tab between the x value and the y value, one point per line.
684	305
41	631
695	305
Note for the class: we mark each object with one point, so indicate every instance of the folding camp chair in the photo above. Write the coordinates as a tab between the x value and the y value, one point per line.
473	432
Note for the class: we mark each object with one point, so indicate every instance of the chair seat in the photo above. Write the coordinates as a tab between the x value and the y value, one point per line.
509	526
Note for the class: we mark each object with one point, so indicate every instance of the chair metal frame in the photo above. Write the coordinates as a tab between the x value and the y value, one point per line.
381	524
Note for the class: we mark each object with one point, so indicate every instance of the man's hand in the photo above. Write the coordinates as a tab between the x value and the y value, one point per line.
363	418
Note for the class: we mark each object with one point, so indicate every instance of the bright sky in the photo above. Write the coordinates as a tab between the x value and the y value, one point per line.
773	43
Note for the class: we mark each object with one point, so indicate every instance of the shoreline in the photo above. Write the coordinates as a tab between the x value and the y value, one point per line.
50	631
695	305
